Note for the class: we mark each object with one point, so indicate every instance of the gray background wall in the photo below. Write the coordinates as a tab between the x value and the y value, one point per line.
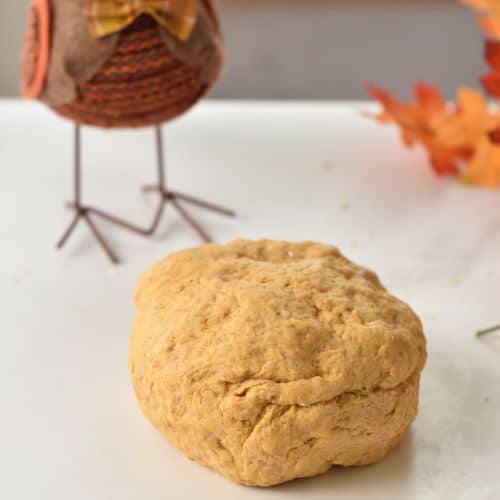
319	48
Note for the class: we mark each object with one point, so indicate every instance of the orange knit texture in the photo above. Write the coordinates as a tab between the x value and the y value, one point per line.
142	84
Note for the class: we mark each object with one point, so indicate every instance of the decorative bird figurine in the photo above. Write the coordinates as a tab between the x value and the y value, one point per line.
123	63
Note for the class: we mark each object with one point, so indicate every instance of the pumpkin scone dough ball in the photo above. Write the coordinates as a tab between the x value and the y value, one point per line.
269	361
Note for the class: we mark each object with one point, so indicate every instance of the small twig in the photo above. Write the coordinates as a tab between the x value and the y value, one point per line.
482	333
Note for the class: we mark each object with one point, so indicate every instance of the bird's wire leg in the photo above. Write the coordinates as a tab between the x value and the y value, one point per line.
82	212
118	221
76	187
483	333
158	216
127	225
203	204
161	206
198	229
98	236
174	197
69	231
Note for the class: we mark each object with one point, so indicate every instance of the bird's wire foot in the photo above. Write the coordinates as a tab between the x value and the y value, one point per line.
174	197
83	213
117	221
483	333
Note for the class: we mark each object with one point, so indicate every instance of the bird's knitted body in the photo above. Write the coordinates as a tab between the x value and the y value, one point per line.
140	76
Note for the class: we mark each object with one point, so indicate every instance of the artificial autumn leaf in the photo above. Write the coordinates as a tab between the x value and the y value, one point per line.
495	136
490	20
484	167
492	54
491	81
473	121
417	121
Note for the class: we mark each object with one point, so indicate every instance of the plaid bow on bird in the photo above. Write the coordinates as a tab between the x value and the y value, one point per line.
106	17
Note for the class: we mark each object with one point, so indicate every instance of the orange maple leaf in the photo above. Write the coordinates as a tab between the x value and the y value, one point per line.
473	121
484	167
418	123
490	19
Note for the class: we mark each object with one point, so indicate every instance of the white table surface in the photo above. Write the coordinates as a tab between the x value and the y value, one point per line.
69	424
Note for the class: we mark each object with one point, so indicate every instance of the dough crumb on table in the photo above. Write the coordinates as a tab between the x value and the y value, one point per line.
269	361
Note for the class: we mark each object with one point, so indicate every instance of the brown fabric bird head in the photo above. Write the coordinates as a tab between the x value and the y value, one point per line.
121	64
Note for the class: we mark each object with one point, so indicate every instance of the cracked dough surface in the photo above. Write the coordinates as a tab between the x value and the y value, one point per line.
269	361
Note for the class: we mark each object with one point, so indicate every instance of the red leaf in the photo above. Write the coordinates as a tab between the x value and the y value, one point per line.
491	83
430	98
492	53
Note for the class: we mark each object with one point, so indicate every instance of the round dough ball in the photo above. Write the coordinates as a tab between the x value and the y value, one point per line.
269	361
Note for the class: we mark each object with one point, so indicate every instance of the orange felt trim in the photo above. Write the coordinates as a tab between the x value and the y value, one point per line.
33	89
